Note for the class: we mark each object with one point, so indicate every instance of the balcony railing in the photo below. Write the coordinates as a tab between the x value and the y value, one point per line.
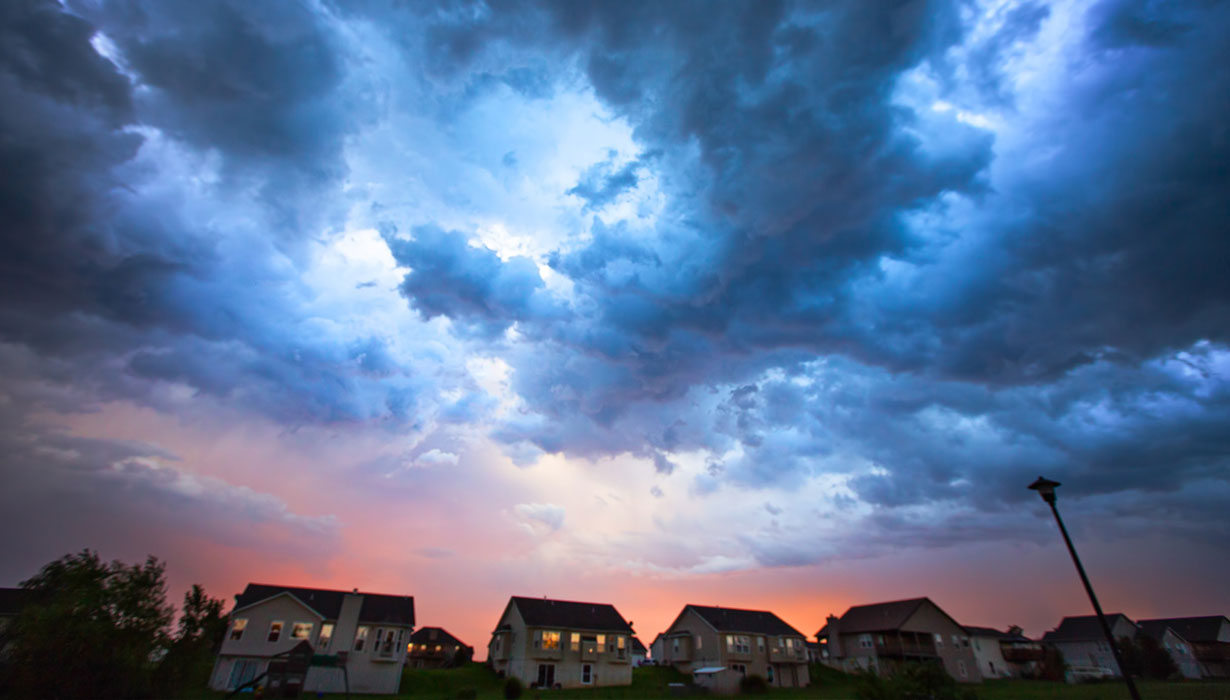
895	646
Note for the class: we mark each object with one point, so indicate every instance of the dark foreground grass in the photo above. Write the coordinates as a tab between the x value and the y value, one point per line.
653	682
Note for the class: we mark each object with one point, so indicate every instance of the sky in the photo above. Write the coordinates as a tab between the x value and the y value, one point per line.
770	305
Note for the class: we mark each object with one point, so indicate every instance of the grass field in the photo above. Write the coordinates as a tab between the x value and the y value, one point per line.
651	682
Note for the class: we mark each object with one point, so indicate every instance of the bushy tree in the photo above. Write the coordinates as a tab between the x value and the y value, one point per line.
753	685
913	682
512	688
190	657
1053	666
1157	661
1131	657
89	629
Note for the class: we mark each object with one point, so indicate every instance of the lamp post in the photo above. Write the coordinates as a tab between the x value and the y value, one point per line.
1046	489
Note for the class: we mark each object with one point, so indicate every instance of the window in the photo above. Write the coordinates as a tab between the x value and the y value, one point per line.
760	644
326	634
238	627
976	647
675	645
587	674
496	645
956	642
939	641
390	640
880	640
546	675
739	643
961	668
360	638
301	630
275	631
546	639
601	642
864	641
965	642
242	671
619	646
741	668
699	641
576	641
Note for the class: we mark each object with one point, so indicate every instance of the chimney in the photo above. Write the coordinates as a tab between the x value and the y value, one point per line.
834	625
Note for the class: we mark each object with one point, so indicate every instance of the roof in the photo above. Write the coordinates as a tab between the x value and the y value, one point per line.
12	600
377	607
1153	628
638	647
736	620
878	617
424	636
1081	627
985	632
1192	629
544	612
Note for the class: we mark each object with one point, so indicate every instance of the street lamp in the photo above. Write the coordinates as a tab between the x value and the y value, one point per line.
1046	489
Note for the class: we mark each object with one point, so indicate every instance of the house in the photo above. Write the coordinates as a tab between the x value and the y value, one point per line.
561	644
366	632
639	653
1208	638
883	637
1084	647
1004	654
434	647
813	652
752	642
1179	649
656	650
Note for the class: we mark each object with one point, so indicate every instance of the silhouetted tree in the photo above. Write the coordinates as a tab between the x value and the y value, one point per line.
1157	661
190	657
1053	666
1130	656
913	682
89	629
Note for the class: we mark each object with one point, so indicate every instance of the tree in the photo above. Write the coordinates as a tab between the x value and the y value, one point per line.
1157	661
190	657
1131	656
1053	666
89	629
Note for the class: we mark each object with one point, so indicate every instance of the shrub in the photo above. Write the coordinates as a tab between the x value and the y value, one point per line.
512	688
467	694
753	684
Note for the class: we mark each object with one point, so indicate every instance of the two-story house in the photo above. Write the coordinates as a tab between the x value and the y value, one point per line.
1084	646
640	655
751	642
366	632
1004	654
434	647
883	637
1208	639
561	644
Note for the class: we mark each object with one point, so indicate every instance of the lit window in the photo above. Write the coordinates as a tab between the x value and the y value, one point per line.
301	630
576	641
549	640
619	642
238	627
601	641
326	634
275	631
700	641
360	638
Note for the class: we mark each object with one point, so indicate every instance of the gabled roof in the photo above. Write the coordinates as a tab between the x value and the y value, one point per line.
883	617
376	607
1081	627
748	621
12	600
424	635
638	647
1192	629
568	614
986	632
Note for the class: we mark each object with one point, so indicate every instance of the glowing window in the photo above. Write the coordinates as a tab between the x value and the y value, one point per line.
238	627
275	631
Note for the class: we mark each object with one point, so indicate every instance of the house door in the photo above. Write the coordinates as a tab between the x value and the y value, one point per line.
546	675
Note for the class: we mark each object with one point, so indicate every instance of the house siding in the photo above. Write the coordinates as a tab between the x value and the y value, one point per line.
368	671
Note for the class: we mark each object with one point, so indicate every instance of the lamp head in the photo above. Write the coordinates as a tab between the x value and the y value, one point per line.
1045	488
